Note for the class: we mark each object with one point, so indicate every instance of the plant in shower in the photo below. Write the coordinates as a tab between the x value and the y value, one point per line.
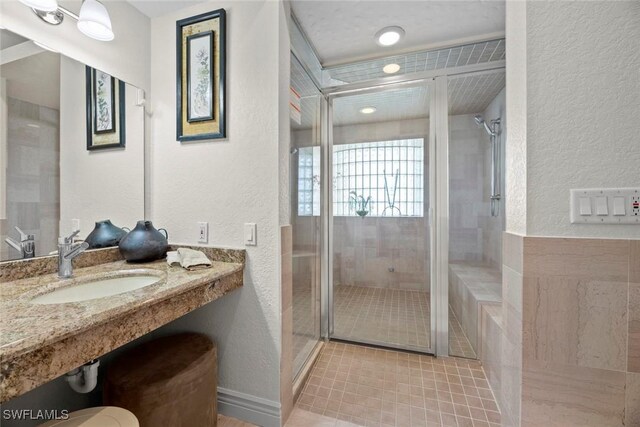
359	203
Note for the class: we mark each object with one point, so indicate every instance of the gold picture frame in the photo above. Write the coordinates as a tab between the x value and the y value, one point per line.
200	77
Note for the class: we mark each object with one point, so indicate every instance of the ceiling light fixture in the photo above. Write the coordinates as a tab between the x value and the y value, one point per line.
43	5
93	20
389	36
391	68
368	110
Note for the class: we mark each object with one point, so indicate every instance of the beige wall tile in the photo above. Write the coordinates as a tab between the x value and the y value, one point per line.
512	251
565	396
286	266
634	261
575	322
633	361
593	259
286	366
633	355
511	378
632	406
286	239
512	287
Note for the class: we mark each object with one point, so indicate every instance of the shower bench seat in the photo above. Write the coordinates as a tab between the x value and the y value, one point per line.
473	285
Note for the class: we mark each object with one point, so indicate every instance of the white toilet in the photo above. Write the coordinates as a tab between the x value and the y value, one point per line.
101	416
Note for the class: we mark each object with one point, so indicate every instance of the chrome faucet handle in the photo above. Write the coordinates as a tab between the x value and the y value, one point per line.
24	237
71	236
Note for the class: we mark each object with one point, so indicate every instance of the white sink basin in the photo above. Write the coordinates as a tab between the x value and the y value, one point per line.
98	288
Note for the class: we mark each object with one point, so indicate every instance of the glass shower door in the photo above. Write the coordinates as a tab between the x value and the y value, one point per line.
306	203
380	290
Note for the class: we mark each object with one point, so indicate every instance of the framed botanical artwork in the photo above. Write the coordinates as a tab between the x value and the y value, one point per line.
200	77
105	110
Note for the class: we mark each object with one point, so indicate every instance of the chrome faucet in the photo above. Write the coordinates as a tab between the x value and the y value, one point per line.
67	251
26	246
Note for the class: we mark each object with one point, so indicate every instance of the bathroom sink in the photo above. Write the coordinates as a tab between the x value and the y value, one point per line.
98	288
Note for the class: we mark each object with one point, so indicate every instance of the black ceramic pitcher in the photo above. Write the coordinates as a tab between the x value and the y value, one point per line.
144	243
105	235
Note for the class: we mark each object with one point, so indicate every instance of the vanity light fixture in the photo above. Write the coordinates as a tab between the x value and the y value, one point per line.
389	36
93	21
43	5
391	68
368	110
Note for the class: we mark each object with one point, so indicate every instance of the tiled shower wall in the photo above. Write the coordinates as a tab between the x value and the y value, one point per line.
575	306
494	226
33	175
468	208
381	252
474	234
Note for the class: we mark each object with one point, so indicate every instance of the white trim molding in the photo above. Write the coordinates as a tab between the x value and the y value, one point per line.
252	409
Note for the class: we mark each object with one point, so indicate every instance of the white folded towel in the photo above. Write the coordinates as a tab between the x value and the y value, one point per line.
188	258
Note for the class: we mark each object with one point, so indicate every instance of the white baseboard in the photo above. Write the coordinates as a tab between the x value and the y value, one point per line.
252	409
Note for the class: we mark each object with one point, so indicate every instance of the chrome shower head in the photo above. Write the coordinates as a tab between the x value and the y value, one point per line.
480	122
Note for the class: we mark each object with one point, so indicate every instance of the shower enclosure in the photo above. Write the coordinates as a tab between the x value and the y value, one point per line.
306	204
379	229
397	200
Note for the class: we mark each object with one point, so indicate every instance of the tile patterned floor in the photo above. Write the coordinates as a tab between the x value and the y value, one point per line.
382	316
392	317
374	387
224	421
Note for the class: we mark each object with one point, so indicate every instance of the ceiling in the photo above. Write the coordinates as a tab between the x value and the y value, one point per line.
35	79
155	8
468	94
468	54
343	31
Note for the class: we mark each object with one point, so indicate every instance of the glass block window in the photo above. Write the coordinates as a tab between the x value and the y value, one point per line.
309	181
384	178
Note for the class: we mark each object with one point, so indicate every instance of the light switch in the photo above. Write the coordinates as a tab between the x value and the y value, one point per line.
585	206
618	206
250	234
601	205
605	206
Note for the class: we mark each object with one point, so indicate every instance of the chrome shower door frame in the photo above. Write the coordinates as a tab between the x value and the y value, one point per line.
429	215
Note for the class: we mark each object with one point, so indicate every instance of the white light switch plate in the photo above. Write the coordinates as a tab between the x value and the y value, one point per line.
607	206
250	234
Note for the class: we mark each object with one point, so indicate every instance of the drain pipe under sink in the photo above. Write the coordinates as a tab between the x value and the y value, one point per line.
85	378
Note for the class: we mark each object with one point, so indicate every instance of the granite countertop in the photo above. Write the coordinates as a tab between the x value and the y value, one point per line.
39	342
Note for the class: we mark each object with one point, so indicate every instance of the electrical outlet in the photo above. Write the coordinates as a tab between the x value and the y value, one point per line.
203	232
75	225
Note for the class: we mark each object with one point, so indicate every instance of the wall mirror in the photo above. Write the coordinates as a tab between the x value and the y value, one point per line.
71	148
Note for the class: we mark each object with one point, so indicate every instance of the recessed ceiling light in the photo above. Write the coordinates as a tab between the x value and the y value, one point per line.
391	68
368	110
389	36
